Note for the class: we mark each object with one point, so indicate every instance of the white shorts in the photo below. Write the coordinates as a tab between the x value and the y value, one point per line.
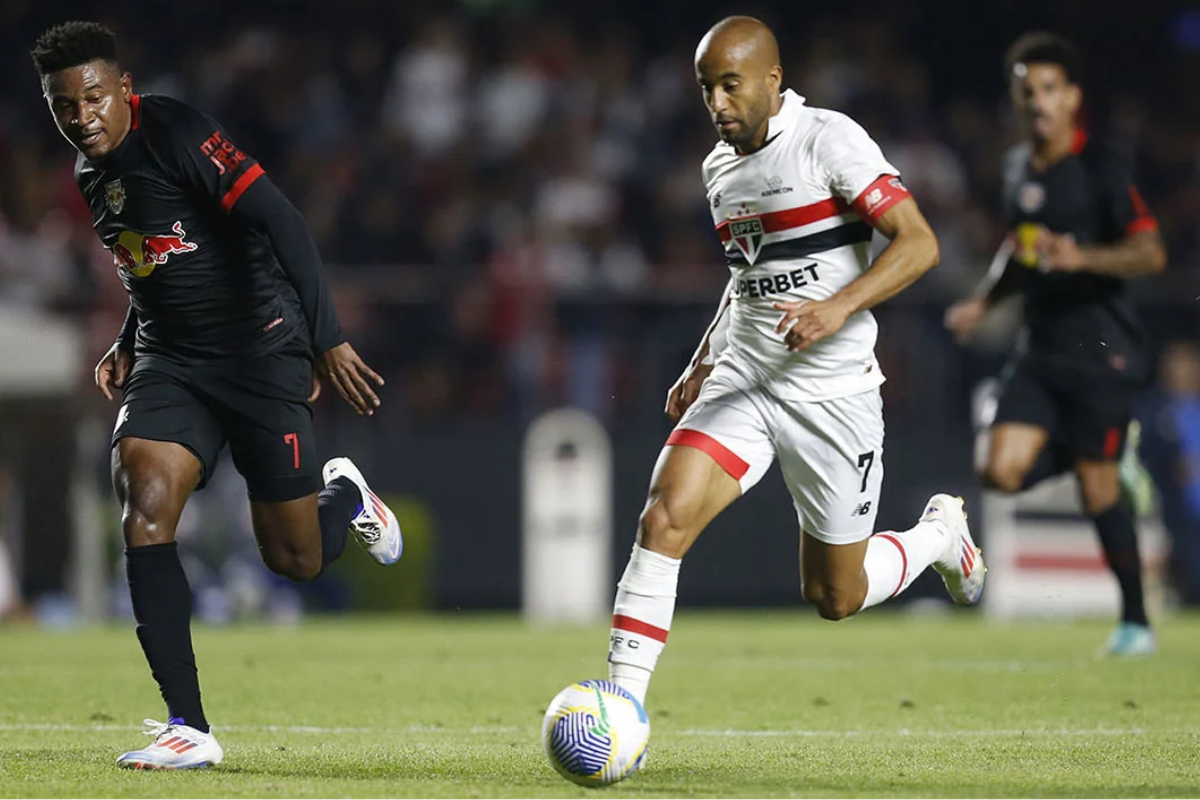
830	452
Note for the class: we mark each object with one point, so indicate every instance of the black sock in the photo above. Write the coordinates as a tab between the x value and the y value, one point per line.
162	605
337	504
1119	540
1055	459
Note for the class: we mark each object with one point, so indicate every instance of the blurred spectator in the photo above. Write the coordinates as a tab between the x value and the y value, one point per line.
1170	449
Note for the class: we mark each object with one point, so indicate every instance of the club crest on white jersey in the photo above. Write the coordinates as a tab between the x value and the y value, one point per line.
795	220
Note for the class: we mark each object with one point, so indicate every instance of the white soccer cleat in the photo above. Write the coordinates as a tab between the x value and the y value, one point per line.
961	566
375	525
175	747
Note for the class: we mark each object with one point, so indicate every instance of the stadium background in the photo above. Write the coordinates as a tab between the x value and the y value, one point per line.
507	195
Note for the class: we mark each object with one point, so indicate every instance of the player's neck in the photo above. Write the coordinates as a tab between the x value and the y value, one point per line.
1048	152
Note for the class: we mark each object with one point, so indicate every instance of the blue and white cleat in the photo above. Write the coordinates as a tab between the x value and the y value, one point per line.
375	525
175	747
961	566
1131	640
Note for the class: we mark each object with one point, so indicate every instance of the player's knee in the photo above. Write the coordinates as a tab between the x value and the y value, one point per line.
1097	500
294	564
146	514
1003	476
832	602
662	530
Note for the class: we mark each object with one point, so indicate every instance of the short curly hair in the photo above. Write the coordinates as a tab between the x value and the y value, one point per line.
70	44
1042	47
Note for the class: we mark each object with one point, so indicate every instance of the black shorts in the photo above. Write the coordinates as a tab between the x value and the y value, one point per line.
259	406
1086	411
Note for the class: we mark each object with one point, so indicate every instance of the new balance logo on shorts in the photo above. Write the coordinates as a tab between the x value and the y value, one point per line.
861	509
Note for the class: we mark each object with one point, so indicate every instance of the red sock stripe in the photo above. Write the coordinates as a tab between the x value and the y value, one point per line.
725	458
903	560
637	626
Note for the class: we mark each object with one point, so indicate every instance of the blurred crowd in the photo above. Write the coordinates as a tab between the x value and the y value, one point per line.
507	192
494	186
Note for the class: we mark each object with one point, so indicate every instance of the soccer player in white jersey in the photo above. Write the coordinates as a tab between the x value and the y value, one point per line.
787	369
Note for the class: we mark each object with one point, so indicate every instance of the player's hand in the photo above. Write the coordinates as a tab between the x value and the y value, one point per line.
316	386
113	370
351	377
964	317
806	322
686	390
1059	252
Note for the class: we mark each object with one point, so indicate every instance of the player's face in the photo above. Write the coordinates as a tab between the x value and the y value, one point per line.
90	104
738	98
1045	101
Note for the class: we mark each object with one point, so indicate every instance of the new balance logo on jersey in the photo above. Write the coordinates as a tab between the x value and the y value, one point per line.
861	509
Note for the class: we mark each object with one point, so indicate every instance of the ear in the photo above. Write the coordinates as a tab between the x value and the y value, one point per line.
775	77
1075	97
126	86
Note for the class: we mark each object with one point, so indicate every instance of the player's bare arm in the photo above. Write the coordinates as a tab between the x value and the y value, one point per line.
1134	256
911	252
687	388
999	282
114	368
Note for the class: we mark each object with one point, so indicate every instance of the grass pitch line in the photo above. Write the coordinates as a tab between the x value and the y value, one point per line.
696	732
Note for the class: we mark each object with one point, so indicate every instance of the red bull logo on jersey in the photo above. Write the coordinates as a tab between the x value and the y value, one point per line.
139	253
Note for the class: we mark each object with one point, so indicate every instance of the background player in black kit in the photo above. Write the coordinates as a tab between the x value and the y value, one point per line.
228	314
1079	230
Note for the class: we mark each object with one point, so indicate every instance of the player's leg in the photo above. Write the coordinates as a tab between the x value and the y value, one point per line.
1097	428
300	530
163	443
1020	450
831	455
718	451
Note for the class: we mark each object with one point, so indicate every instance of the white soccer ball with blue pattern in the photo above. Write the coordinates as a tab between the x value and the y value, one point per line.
595	733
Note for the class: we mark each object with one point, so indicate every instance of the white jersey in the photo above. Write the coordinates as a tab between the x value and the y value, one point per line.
794	219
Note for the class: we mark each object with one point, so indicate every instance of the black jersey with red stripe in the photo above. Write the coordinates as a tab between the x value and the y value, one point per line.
1079	320
202	282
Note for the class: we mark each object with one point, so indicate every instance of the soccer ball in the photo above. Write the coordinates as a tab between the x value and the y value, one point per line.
595	733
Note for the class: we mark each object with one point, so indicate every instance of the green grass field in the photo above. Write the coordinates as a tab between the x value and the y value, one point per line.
748	704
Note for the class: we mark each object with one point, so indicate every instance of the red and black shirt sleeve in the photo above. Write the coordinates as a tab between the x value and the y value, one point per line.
214	165
1123	204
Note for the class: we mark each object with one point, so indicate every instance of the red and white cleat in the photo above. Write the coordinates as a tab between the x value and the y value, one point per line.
961	567
375	525
175	747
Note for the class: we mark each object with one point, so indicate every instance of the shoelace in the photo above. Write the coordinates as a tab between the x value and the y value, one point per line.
157	729
369	530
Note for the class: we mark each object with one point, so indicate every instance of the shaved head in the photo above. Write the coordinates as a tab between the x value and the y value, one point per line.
737	67
744	39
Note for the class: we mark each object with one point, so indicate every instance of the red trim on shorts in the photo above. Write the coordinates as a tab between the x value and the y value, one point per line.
240	186
878	198
903	560
637	626
725	458
1112	442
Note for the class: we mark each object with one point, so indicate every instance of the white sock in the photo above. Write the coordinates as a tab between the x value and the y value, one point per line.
894	559
642	616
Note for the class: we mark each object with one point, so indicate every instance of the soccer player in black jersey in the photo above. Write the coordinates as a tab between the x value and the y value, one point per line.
1078	231
228	315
